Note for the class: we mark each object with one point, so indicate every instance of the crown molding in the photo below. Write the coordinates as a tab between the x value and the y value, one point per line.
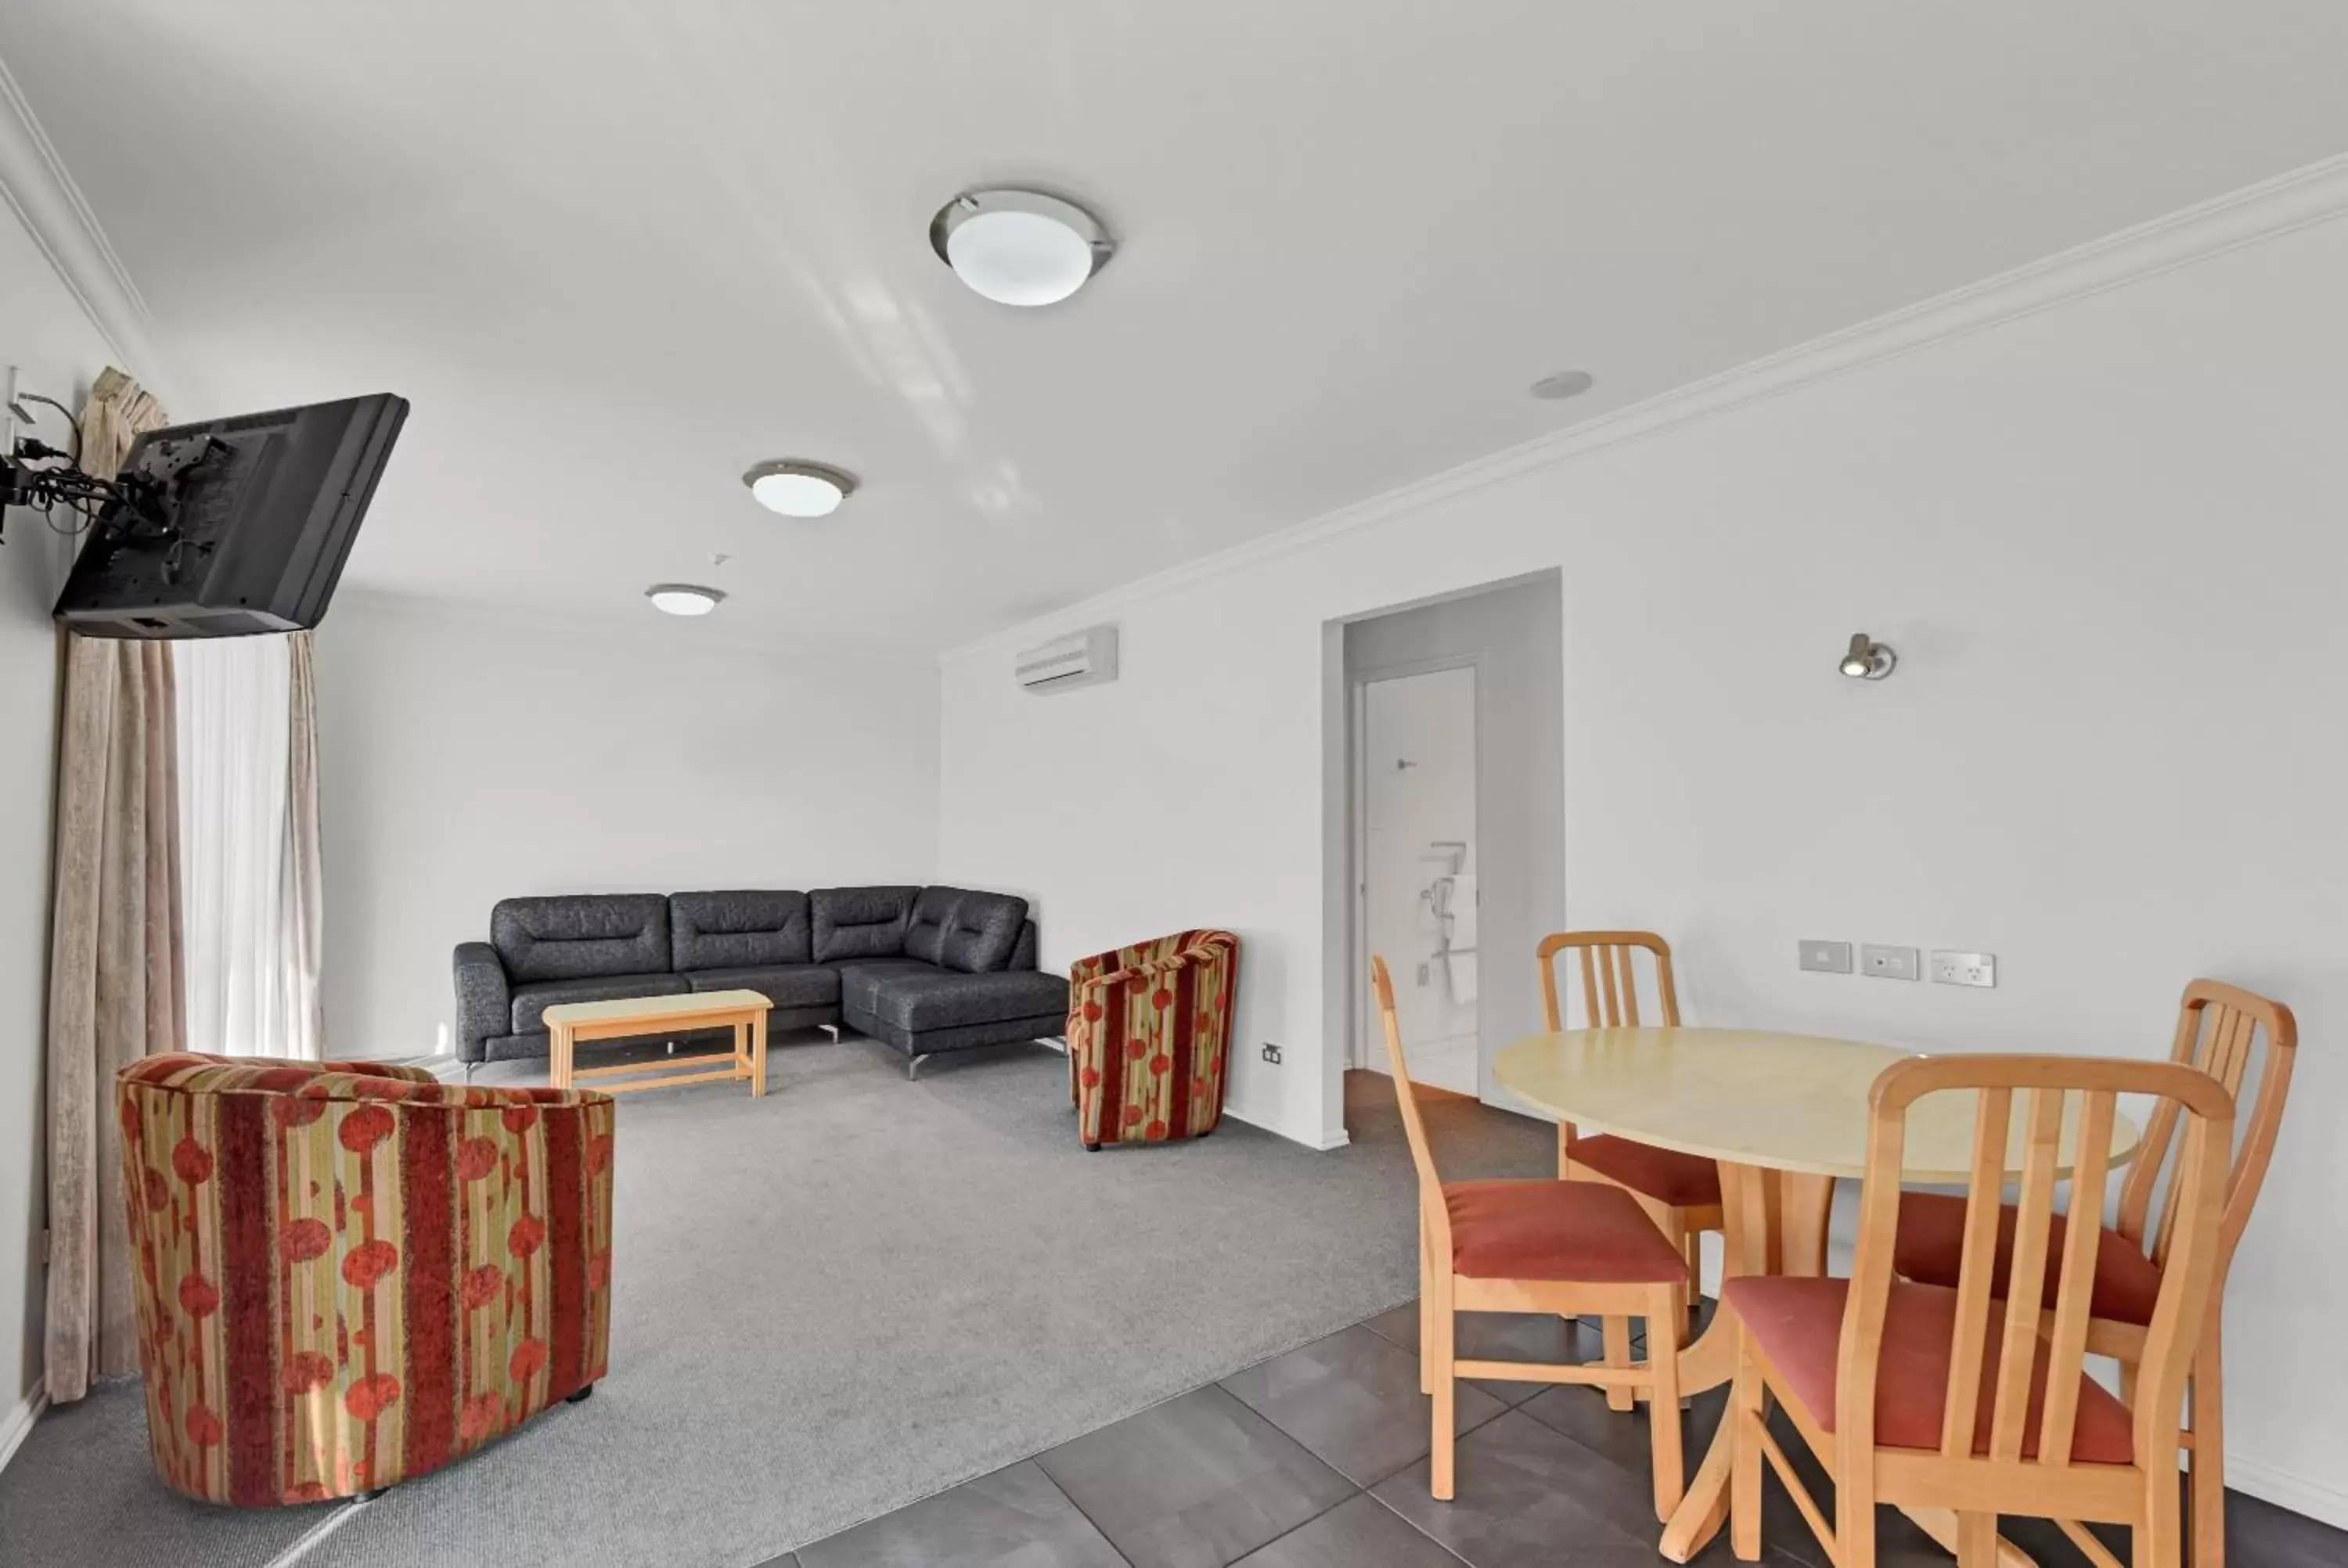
37	186
2252	215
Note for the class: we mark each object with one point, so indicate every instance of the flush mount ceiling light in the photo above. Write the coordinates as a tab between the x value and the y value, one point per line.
1867	660
1563	384
1020	247
682	598
798	488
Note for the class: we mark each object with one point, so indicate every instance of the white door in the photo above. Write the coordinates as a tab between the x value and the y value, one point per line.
1418	868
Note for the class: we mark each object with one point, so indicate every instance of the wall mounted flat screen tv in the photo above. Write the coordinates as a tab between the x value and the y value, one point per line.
238	526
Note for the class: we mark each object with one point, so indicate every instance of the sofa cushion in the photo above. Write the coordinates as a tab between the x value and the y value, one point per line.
860	922
860	983
785	985
948	999
962	928
581	935
530	1001
926	926
738	929
1023	952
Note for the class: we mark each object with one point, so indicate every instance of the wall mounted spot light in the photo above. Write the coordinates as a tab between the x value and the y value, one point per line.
1867	660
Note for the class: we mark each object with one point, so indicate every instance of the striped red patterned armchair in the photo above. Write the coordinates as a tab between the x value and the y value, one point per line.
1150	1030
350	1273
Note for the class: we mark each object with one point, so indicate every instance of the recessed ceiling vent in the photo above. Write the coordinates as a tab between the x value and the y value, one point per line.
1087	658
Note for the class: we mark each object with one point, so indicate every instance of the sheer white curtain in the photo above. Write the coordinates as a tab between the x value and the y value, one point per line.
248	846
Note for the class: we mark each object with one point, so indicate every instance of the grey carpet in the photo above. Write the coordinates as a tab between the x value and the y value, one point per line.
833	1301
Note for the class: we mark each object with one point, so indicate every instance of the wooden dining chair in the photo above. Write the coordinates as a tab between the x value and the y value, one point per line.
1680	1192
1541	1245
1932	1397
2217	1030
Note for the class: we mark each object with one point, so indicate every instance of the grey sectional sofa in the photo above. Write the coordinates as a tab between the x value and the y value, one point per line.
926	970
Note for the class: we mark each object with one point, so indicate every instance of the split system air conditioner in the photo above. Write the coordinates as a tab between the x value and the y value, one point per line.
1087	658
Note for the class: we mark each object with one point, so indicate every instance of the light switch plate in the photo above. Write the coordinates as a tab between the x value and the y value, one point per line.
1826	958
1965	968
1887	963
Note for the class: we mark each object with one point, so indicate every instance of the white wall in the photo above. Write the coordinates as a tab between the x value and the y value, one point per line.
467	757
2106	538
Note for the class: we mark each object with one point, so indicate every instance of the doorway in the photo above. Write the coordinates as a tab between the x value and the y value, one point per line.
1476	681
1416	843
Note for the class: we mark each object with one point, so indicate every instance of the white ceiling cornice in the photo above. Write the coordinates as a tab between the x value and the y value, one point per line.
38	188
2315	193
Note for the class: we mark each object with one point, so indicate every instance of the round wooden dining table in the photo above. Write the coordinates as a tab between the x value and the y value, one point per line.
1785	1115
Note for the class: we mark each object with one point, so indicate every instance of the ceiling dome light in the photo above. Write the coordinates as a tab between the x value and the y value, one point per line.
800	489
1020	247
682	598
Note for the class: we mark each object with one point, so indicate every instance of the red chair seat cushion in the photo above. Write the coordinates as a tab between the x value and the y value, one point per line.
1930	1244
1682	1181
1578	1231
1798	1323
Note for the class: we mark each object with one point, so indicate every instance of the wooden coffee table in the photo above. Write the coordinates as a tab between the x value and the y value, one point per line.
744	1012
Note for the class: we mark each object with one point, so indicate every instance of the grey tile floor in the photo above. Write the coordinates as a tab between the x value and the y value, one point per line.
1318	1459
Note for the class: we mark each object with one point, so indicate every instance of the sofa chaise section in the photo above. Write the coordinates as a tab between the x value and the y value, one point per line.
934	969
924	969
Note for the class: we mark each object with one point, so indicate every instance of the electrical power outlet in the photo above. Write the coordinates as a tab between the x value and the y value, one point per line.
1826	958
1965	968
1887	963
1271	1053
1422	975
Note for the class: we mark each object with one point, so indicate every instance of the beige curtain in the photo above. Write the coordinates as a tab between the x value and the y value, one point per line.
115	975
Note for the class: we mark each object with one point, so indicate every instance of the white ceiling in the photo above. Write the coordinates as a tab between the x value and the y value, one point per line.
615	252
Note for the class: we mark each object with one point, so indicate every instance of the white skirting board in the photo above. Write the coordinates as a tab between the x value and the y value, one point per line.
2314	1499
18	1422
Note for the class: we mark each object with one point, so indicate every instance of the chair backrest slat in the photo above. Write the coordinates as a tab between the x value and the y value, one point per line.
2091	1162
2050	1092
1609	981
1976	1274
2026	1276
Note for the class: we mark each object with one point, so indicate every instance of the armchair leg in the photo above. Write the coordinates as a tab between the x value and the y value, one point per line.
579	1393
